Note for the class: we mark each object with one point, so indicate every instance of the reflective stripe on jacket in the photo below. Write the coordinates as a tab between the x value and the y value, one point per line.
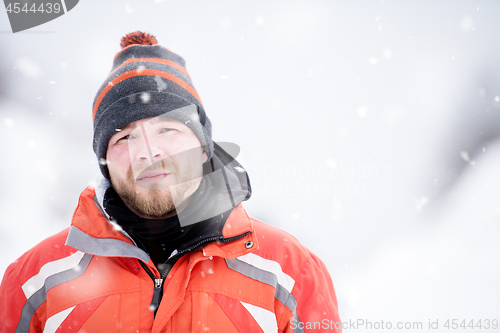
88	278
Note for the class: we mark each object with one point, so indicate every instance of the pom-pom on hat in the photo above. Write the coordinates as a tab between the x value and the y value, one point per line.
147	80
138	38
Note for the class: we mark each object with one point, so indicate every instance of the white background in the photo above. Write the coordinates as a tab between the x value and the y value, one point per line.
370	131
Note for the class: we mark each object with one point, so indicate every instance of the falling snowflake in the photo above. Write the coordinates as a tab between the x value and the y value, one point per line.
362	112
29	68
387	53
465	155
420	203
140	69
128	9
259	20
116	226
145	97
239	169
331	163
162	85
467	24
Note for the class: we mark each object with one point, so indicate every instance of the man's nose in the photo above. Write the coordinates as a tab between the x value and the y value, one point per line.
151	154
150	150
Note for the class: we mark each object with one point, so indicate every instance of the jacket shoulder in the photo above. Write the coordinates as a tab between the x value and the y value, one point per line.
297	270
49	250
280	246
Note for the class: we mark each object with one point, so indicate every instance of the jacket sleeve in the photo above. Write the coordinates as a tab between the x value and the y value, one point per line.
12	301
316	309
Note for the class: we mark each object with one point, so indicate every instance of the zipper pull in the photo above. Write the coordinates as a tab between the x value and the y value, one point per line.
156	295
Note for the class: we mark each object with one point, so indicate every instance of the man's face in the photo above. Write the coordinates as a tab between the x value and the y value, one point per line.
155	165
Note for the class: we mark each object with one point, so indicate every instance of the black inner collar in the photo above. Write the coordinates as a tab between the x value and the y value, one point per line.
160	237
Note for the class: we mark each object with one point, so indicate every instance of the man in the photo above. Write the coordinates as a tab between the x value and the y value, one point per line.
162	243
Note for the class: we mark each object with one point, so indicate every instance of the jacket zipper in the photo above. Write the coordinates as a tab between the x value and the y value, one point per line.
155	302
158	283
158	286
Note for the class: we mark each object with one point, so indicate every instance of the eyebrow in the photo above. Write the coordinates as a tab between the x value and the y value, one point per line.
129	125
155	120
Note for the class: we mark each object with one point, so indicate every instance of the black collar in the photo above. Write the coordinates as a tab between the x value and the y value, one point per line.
160	237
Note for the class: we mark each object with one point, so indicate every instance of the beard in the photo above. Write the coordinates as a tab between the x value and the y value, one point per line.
157	201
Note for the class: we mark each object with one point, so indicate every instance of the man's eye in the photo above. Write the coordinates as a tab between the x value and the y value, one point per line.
163	130
126	137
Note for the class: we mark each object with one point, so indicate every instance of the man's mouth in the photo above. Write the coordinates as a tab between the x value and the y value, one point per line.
152	176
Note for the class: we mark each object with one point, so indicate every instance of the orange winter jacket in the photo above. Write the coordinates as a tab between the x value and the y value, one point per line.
88	278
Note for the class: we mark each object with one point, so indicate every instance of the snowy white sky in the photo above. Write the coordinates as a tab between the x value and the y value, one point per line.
370	130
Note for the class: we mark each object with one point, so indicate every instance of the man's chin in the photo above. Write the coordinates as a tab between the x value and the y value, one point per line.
153	193
151	203
152	185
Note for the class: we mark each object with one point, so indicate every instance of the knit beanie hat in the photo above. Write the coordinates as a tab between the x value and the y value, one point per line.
147	80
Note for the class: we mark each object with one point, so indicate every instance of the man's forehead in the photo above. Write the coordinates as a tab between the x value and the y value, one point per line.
153	120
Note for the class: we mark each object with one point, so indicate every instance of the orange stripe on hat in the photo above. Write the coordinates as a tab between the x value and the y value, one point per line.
126	47
151	72
157	60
